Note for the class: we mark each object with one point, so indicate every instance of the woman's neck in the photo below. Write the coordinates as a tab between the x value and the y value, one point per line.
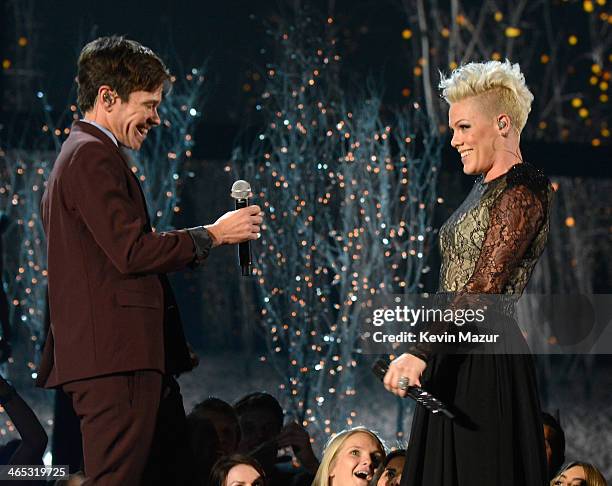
504	160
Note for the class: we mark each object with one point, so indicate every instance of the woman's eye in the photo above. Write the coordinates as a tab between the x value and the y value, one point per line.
354	452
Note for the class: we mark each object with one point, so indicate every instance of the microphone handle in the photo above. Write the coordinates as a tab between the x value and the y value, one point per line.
244	248
418	394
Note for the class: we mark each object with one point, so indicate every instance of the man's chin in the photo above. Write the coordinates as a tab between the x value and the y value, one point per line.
134	146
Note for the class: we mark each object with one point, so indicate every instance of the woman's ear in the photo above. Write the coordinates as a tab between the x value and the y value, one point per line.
503	124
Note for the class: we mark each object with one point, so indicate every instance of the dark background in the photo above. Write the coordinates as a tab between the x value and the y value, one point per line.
231	37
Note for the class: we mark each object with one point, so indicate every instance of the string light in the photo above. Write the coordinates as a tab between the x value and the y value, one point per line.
325	160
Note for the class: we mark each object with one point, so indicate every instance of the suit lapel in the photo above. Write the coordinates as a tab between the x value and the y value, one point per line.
125	155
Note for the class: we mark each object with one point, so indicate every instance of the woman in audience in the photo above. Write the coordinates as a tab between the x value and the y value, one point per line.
237	470
392	469
351	458
579	474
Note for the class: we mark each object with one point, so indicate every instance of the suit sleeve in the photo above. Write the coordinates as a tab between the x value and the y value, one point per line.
99	192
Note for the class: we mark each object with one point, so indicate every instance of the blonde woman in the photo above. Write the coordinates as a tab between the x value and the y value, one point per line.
351	458
490	245
581	473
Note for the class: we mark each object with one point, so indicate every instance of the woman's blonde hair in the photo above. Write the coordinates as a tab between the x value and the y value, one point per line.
331	452
591	473
500	84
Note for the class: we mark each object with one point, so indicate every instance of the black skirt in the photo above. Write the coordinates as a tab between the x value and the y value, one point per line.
497	438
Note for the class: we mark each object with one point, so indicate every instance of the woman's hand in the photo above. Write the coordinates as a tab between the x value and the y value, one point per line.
409	369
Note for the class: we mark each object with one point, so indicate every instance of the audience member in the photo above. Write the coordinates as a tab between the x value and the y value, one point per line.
237	470
205	446
263	435
579	473
33	437
393	466
351	458
224	419
554	439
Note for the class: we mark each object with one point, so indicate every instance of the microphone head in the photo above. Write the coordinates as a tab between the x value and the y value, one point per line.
380	368
241	190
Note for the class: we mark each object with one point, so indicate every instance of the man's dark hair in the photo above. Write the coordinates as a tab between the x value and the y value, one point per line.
556	442
124	65
260	401
218	406
223	466
214	404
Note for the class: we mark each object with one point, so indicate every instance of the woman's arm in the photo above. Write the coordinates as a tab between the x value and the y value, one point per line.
515	219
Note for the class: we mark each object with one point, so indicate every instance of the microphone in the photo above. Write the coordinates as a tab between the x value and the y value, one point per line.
241	190
418	394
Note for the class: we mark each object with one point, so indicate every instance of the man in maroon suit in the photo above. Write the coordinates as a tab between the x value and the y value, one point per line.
115	332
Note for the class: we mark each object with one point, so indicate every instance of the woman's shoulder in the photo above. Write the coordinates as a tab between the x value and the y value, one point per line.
526	175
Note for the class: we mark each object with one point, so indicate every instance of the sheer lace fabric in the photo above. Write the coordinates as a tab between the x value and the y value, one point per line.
492	242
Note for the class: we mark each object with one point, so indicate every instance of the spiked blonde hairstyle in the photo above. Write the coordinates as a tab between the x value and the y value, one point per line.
501	85
331	452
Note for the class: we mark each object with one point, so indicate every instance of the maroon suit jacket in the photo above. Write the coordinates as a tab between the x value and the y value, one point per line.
106	297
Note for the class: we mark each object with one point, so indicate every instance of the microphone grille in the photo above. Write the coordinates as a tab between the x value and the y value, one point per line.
241	189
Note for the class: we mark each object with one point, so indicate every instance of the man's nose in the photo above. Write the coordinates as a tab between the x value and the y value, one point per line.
154	120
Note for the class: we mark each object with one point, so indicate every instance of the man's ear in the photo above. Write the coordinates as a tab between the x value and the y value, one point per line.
107	97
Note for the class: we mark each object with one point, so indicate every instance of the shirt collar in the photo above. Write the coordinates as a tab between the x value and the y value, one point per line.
104	129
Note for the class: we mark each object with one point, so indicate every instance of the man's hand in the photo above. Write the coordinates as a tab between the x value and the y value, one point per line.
295	436
409	368
237	226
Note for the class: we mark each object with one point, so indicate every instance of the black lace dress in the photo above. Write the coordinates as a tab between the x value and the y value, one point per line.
489	246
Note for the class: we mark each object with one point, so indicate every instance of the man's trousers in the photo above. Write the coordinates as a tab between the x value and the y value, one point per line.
118	415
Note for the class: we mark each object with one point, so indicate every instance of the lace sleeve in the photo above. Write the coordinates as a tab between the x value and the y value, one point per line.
514	221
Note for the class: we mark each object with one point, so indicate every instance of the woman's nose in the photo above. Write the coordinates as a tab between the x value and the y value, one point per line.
455	141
